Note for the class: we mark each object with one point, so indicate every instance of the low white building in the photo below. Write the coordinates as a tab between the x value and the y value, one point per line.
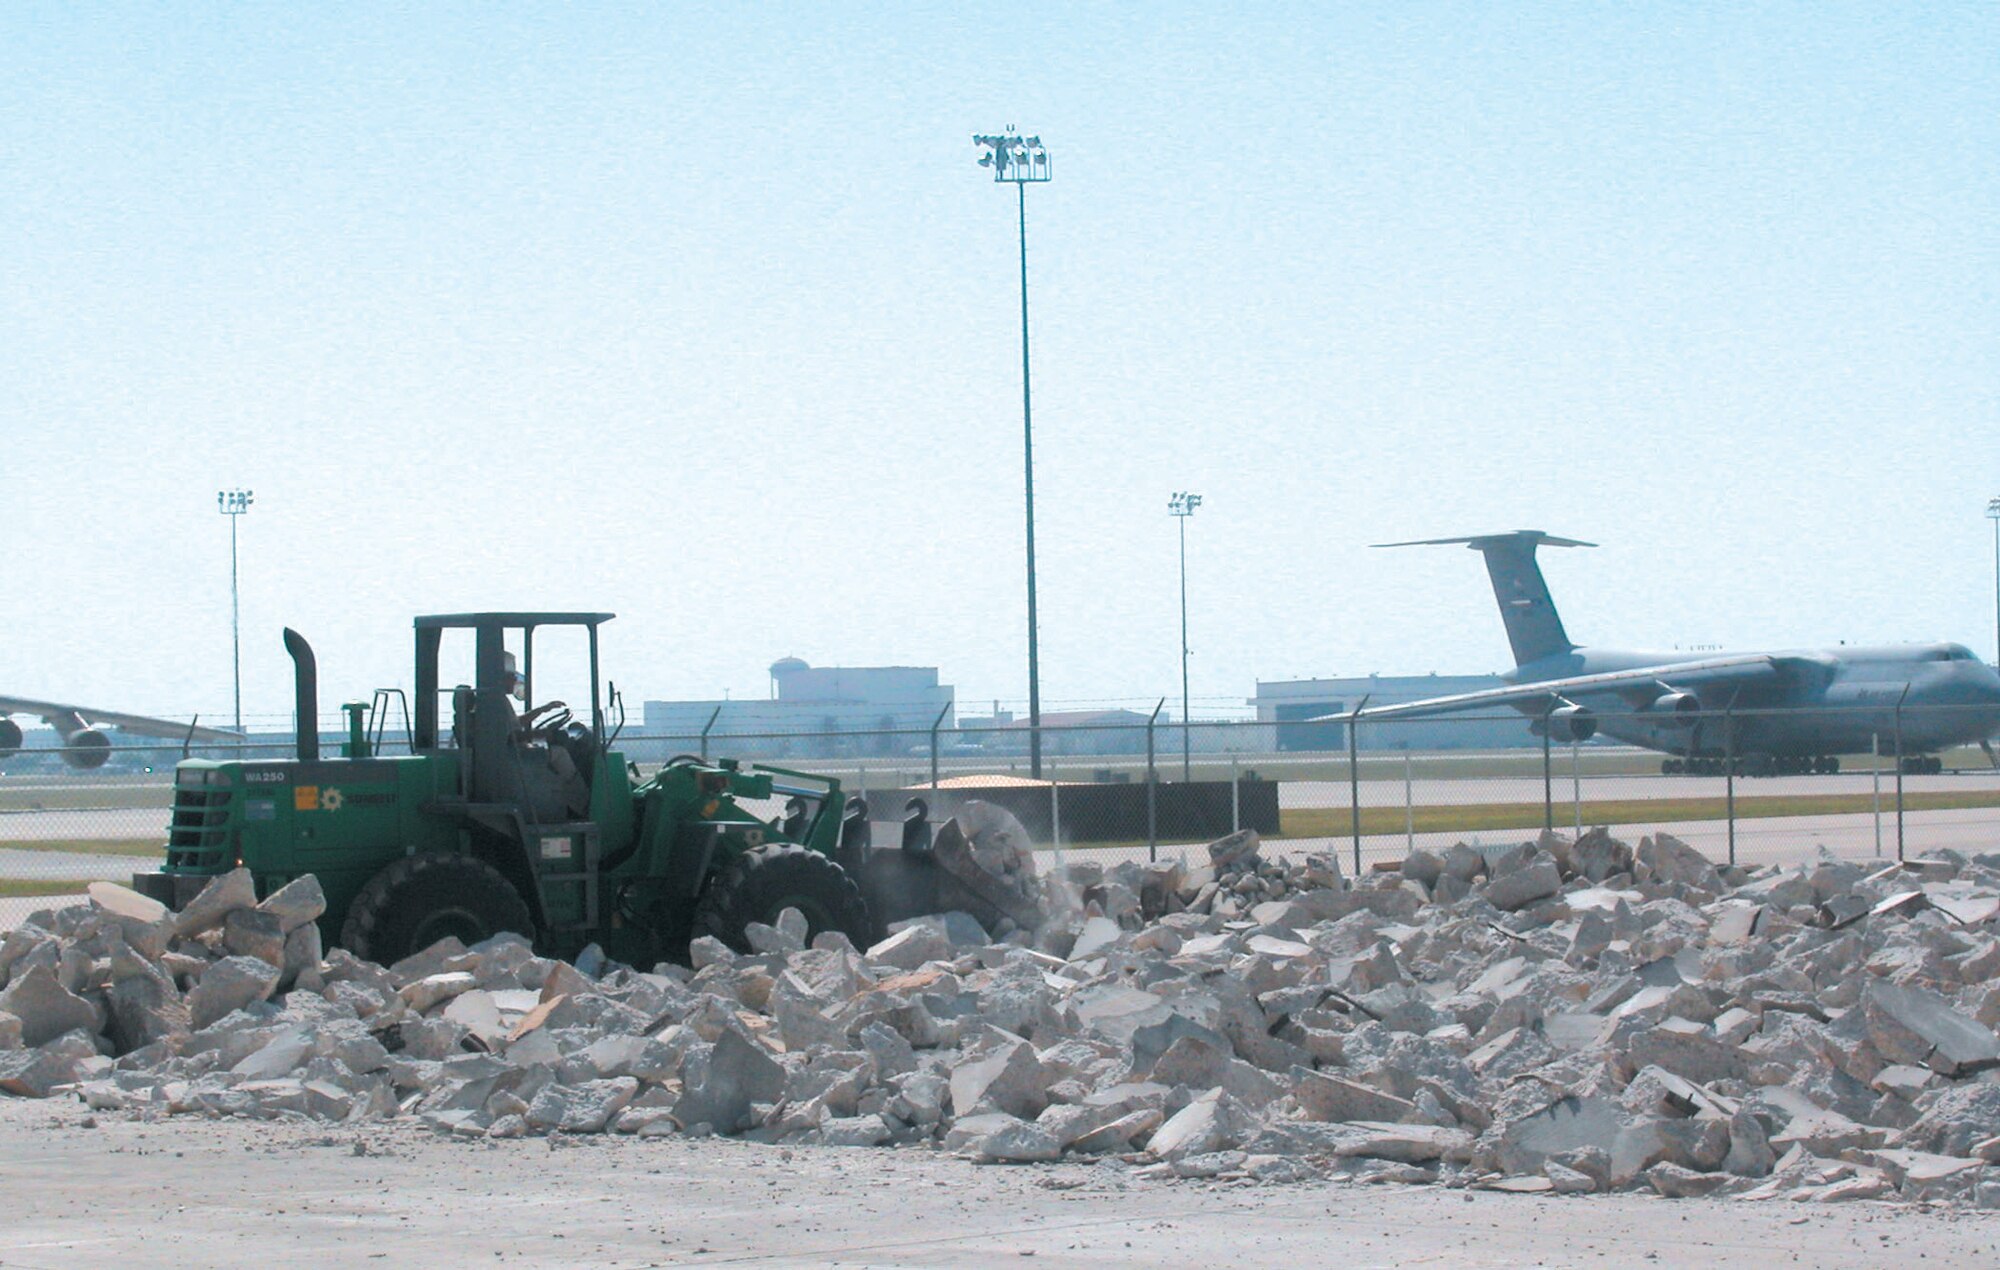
1289	704
815	711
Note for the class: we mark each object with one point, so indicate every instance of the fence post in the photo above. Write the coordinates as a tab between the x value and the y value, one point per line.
861	774
1152	788
1548	781
1576	783
1729	773
704	731
1899	771
1875	771
1354	778
1409	809
1055	811
1235	795
935	725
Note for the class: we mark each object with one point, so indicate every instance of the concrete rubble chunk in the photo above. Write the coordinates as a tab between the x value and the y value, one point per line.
45	1008
227	986
236	889
1214	1121
912	947
1009	1079
1098	933
295	903
430	990
280	1057
1675	1182
1407	1143
1326	1097
247	932
35	1073
1132	1127
1017	1143
1665	858
1234	851
127	903
1950	1042
143	1004
739	1074
1522	886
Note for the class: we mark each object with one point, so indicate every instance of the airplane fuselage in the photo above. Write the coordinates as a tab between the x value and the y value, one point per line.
1841	700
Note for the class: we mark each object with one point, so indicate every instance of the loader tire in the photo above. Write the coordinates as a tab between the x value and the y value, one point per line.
766	880
420	899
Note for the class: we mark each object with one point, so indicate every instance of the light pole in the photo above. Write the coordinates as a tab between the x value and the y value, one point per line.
1993	514
233	503
1024	161
1180	507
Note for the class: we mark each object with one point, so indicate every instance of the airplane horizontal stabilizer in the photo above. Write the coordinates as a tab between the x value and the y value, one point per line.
1478	541
1534	631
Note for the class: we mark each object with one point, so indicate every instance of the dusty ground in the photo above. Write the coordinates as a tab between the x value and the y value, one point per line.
201	1193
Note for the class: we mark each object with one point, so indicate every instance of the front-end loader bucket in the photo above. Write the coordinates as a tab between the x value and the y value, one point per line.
979	862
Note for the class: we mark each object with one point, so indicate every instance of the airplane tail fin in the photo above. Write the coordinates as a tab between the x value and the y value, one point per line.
1533	627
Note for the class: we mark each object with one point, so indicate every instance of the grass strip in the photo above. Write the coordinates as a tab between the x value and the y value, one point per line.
28	888
148	847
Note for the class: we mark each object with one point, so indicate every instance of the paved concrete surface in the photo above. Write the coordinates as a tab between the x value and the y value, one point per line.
222	1194
138	823
1433	791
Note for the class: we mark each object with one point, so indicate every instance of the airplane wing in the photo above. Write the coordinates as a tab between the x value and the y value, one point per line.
58	715
1713	672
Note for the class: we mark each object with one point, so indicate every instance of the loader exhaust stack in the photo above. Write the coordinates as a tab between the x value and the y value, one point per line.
305	694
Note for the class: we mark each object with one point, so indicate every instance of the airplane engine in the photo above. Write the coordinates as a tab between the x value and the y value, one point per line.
1677	708
1569	723
10	737
86	749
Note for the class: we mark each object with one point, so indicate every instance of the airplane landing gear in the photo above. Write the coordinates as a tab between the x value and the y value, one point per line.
1922	764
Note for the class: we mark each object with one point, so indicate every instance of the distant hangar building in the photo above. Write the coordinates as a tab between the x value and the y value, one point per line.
1287	704
817	711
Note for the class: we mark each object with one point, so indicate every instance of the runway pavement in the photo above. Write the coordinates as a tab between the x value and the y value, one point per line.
1425	791
148	824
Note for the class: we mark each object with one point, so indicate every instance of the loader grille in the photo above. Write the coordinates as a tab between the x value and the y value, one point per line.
198	833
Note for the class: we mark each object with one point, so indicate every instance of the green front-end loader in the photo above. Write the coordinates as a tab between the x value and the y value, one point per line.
527	819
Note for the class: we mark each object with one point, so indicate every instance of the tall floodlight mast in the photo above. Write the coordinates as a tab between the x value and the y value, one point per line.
1024	161
234	503
1181	507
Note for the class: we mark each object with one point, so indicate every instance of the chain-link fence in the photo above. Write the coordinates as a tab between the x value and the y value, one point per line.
1905	782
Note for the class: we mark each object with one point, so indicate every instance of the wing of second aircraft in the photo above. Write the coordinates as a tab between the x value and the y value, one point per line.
1670	676
69	718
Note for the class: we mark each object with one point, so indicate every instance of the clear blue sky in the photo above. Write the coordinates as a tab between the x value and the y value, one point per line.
705	315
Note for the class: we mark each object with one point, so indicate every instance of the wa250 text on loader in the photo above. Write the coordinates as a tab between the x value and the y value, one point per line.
531	821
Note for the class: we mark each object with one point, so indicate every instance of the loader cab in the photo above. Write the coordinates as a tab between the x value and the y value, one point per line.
518	695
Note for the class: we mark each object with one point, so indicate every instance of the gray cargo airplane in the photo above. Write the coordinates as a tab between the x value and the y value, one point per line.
85	746
1790	711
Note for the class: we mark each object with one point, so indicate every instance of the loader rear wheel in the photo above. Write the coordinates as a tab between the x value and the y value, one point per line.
765	881
420	899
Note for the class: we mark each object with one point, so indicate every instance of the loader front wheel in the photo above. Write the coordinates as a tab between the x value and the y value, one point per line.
420	899
764	881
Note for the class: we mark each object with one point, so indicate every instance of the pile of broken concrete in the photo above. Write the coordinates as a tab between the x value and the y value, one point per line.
1569	1016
